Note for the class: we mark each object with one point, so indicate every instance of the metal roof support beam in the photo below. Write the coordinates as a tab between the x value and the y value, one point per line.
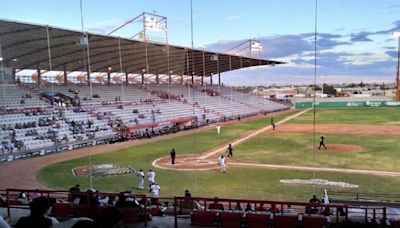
65	75
142	77
126	77
157	78
108	76
39	75
14	75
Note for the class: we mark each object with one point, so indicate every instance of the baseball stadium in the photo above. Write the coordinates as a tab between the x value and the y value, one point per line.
103	130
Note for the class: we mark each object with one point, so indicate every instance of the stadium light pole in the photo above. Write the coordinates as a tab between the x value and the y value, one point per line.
397	34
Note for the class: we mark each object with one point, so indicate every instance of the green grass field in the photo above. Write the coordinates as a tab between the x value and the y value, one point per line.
376	115
254	183
296	149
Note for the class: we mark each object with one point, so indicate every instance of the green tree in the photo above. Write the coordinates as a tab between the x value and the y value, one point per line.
329	89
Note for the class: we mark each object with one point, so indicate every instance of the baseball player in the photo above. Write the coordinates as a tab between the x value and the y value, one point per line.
140	179
222	163
151	175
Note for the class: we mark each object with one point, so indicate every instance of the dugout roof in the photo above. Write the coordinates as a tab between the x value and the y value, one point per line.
24	46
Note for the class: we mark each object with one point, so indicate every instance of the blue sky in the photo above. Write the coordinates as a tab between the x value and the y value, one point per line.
354	42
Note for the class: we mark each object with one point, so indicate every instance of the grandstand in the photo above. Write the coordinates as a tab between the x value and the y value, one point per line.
44	114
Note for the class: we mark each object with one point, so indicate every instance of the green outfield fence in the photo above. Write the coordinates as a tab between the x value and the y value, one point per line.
341	104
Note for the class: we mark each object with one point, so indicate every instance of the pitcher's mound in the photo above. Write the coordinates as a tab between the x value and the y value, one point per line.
342	148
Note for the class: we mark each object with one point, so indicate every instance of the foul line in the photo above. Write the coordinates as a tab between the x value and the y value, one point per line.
238	141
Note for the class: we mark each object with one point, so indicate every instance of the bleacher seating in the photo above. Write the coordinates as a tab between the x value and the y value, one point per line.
82	115
13	96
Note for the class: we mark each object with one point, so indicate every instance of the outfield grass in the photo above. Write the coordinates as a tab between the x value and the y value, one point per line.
381	152
376	115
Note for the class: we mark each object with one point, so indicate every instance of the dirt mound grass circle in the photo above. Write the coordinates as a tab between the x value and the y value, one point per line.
346	148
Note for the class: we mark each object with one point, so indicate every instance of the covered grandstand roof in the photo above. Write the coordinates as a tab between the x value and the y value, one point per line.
24	46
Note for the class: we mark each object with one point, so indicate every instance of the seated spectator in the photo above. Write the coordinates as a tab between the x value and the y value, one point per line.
75	196
238	207
326	211
248	207
123	201
40	209
89	199
261	207
23	198
187	193
314	200
187	203
216	205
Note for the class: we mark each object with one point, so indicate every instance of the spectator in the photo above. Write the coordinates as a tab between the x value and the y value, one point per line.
314	200
248	207
75	196
123	201
40	209
187	193
238	207
261	207
110	217
216	205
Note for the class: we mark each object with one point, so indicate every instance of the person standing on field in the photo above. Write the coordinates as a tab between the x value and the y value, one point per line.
322	142
218	129
140	179
151	175
173	155
230	150
273	124
222	163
